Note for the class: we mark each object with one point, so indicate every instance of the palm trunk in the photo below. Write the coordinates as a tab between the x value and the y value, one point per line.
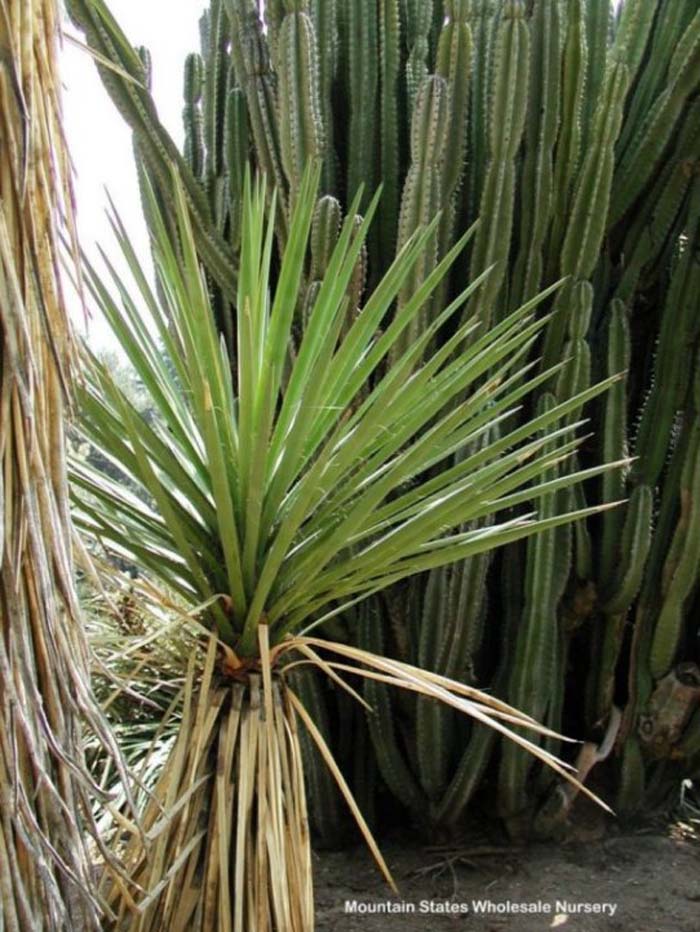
45	863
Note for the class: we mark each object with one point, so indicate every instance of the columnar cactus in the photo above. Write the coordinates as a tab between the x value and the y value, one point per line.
588	217
363	84
159	152
192	114
450	632
482	23
254	75
568	145
646	245
390	33
542	127
324	237
216	79
672	369
423	190
419	15
671	22
299	98
598	15
236	155
614	434
324	14
648	146
680	570
508	108
534	671
453	62
631	553
632	34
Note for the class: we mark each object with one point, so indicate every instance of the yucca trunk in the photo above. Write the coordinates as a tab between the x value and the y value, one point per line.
46	877
229	847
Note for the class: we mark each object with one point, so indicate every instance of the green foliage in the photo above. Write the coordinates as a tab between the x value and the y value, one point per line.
284	494
572	136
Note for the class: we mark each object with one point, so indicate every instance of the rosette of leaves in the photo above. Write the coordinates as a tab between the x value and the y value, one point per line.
279	491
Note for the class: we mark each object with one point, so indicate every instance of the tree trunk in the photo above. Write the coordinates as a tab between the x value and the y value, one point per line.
45	699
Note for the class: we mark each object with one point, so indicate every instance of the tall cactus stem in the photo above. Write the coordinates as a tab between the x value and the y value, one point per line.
541	130
511	60
681	569
362	55
299	100
642	158
192	115
389	64
587	221
532	679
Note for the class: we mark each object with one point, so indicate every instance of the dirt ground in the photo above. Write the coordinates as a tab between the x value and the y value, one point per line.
643	880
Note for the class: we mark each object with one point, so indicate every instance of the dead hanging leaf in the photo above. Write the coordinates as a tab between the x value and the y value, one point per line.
478	705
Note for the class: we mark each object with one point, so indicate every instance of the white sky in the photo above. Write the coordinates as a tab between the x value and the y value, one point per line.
99	139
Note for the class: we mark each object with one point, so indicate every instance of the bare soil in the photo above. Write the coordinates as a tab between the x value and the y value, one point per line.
651	876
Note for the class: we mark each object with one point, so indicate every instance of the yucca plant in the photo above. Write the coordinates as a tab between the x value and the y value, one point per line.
280	491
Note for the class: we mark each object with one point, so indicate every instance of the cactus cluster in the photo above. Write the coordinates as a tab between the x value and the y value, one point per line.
573	135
